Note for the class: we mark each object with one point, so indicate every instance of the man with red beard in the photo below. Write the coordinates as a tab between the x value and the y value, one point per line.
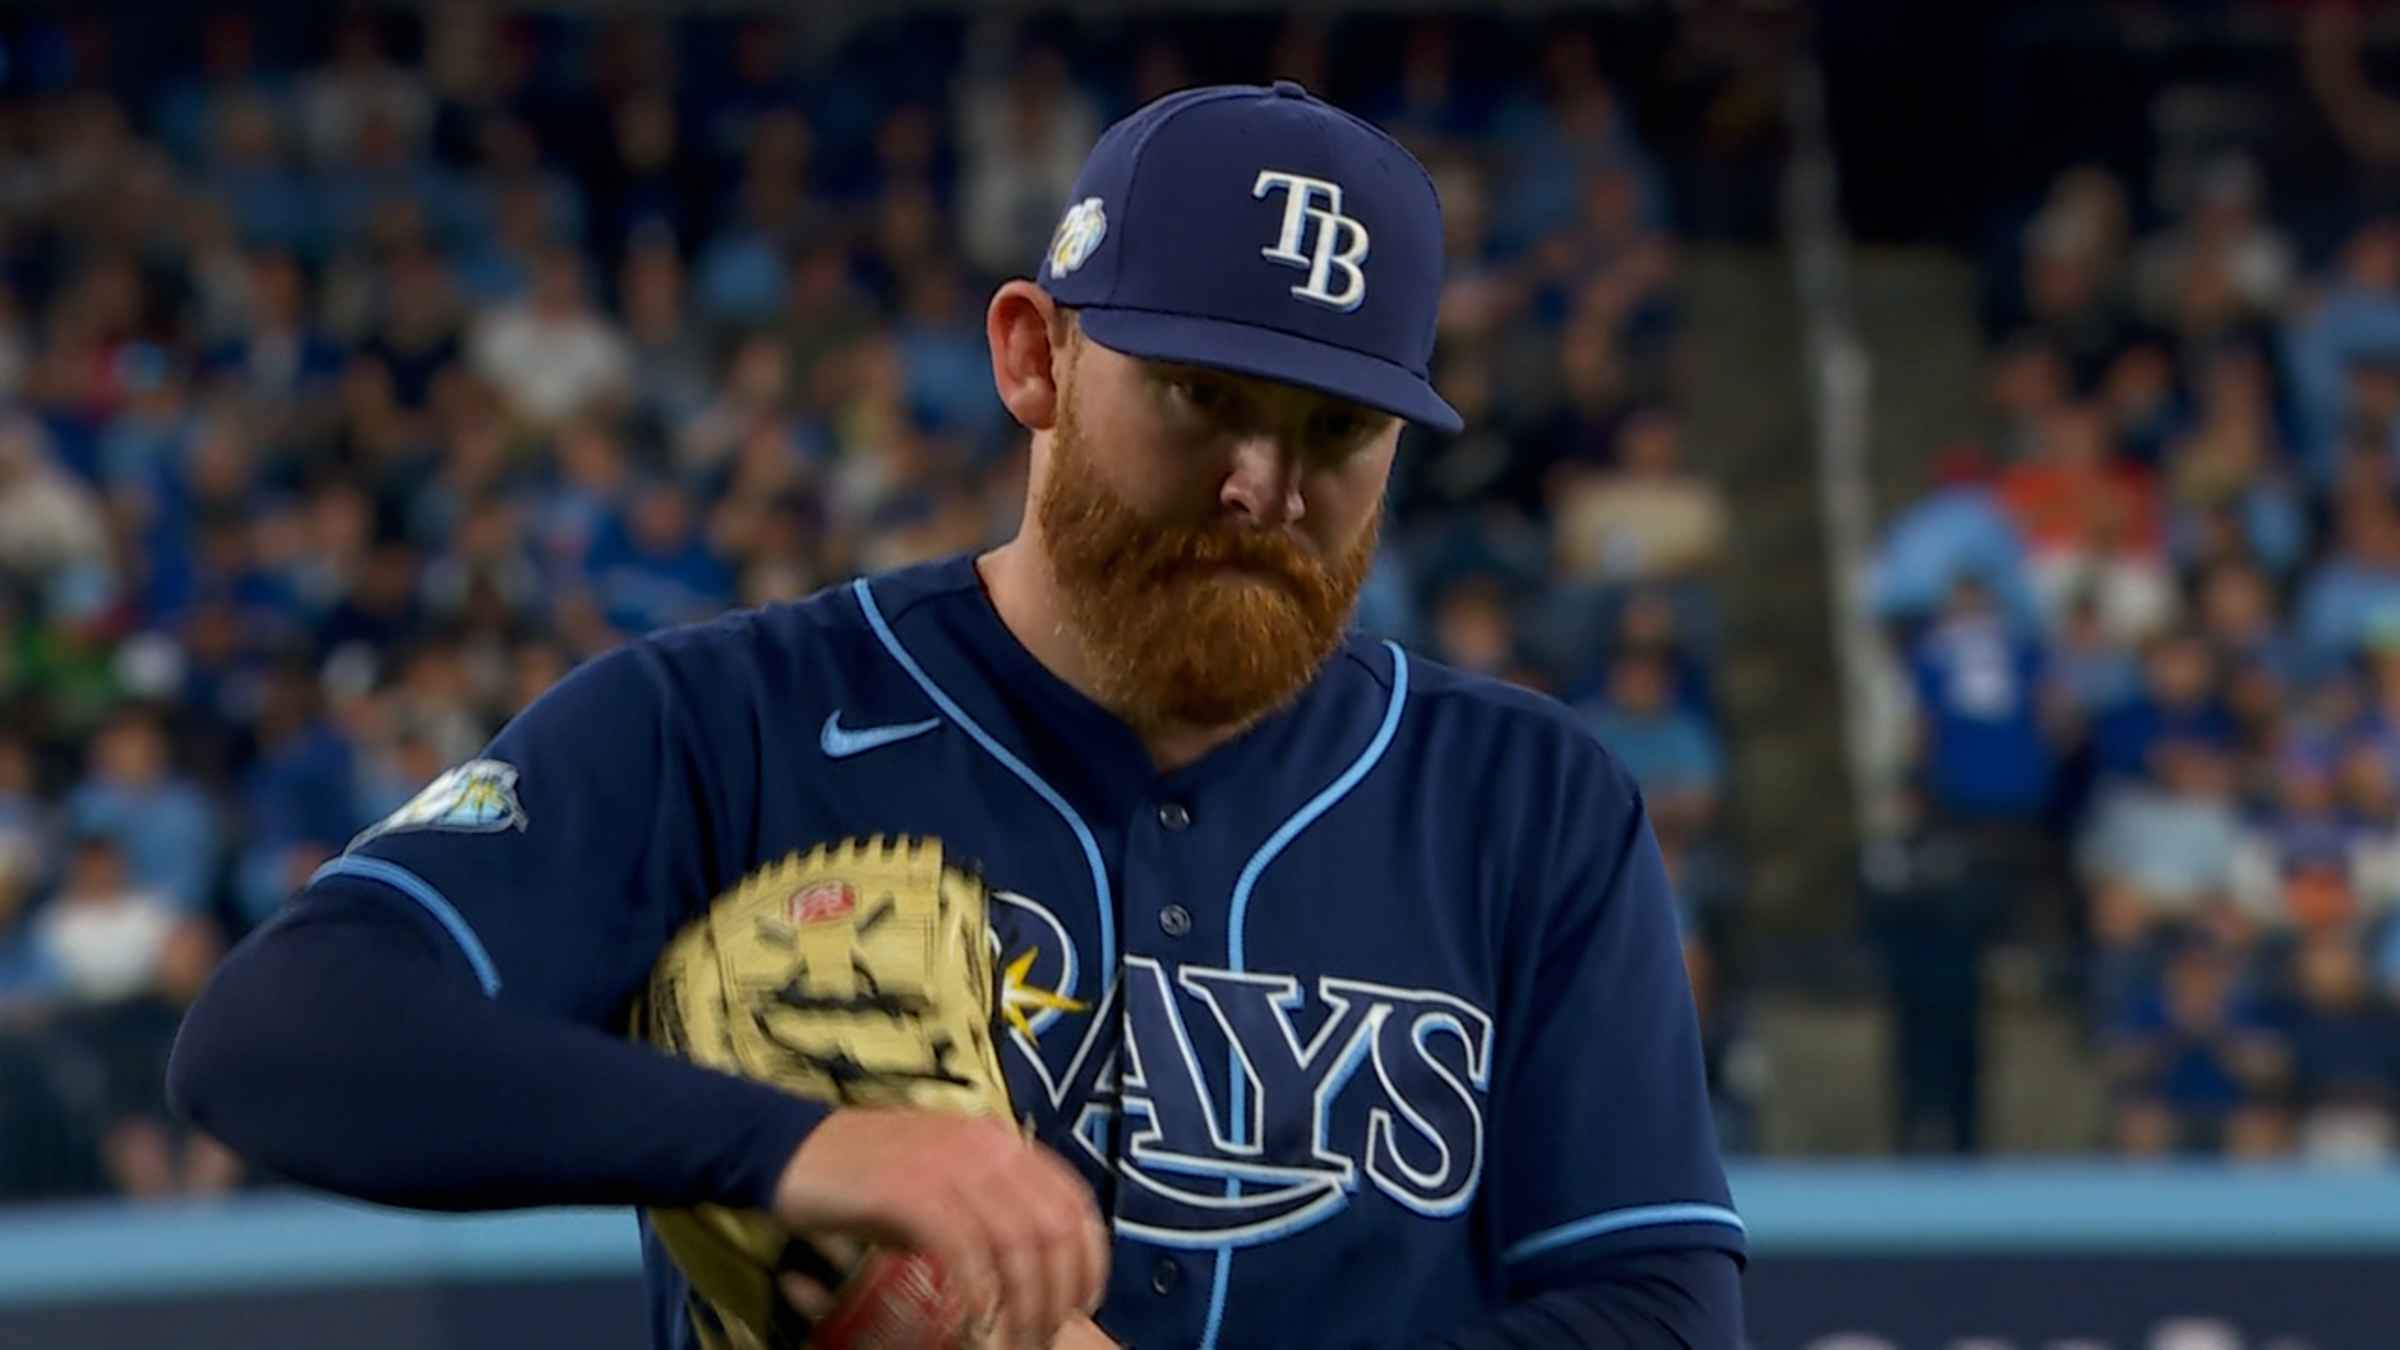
1237	855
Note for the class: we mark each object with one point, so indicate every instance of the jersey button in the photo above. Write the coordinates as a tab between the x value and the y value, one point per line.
1165	1276
1174	816
1176	920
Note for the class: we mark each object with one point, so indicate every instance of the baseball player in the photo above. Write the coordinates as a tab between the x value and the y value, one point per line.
1343	995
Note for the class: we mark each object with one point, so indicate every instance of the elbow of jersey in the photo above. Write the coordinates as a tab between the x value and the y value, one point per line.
198	1076
223	1069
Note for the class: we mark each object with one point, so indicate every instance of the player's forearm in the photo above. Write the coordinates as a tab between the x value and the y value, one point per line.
1685	1299
336	1049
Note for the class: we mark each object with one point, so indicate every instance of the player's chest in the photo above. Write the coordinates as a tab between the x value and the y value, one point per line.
1220	1005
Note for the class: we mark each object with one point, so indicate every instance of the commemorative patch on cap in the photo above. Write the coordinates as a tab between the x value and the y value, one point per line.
1079	232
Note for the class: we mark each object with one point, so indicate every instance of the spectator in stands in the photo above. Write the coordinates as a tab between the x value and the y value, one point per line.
2229	467
491	561
1959	529
2073	296
1425	107
380	608
1983	748
553	356
418	338
161	824
1594	396
24	847
298	796
2224	231
672	368
126	963
1551	141
2095	672
647	187
1474	626
2239	618
2345	1044
1667	748
498	262
1649	623
2303	824
2139	395
249	170
2356	320
827	315
283	364
2371	809
2160	856
2091	521
1022	132
1933	910
2028	382
108	937
743	274
513	190
2178	702
2195	1066
362	86
53	537
151	436
651	565
2356	587
1647	519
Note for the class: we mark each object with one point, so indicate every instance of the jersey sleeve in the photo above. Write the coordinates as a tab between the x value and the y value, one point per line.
561	859
1605	1141
437	1021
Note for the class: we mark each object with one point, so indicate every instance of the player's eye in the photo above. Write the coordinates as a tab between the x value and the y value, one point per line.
1336	427
1205	397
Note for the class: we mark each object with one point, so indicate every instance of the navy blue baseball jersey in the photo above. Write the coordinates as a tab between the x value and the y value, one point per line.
1368	1023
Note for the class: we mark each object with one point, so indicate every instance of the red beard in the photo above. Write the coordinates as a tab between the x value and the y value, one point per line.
1190	625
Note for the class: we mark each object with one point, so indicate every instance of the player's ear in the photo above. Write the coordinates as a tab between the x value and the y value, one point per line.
1022	325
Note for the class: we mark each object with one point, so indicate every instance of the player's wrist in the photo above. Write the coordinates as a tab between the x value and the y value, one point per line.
764	1175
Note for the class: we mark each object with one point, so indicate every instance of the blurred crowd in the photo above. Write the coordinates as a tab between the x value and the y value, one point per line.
2151	614
361	375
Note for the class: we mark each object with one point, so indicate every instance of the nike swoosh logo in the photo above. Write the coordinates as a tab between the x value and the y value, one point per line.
839	742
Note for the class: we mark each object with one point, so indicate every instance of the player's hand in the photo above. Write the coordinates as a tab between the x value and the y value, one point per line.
1006	1219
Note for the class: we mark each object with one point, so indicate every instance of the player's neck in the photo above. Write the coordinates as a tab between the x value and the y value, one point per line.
1025	593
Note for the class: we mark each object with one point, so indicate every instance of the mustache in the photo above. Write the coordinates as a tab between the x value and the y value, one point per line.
1163	549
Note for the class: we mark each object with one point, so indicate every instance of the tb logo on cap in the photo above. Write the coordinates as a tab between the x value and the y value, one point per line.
1341	240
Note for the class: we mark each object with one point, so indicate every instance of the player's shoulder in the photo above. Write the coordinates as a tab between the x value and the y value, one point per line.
786	654
1484	729
833	627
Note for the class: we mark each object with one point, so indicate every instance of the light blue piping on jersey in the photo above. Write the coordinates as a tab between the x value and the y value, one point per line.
1242	888
1617	1221
433	901
1041	789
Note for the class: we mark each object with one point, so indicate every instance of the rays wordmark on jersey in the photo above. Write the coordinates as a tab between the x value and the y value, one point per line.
1261	1157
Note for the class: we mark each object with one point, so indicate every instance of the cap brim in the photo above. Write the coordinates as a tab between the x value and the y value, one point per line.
1270	355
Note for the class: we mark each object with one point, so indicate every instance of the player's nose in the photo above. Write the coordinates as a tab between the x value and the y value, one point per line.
1262	481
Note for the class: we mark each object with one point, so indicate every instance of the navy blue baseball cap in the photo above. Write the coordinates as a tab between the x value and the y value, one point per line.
1263	231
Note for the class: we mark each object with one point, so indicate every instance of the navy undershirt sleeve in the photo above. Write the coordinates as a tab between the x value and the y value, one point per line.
438	1020
1687	1298
345	1046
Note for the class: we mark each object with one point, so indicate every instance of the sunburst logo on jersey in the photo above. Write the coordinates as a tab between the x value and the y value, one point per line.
1016	994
